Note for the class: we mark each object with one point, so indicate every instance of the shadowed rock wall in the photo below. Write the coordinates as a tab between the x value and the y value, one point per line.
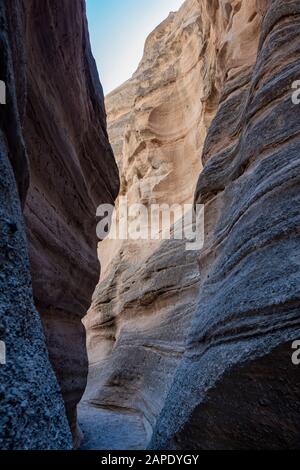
72	171
236	386
54	128
32	414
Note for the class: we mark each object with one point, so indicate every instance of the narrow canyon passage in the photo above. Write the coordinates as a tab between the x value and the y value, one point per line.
173	333
175	345
141	309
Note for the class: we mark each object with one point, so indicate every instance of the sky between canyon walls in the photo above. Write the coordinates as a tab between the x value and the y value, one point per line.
118	30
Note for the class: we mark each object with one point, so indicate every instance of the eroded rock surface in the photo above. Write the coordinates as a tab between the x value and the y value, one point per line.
32	413
149	292
72	172
54	128
236	386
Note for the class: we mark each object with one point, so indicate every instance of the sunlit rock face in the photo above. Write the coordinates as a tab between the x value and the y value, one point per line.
32	412
236	386
72	171
158	121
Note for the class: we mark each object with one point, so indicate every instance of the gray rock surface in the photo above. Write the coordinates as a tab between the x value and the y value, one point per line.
73	171
103	429
236	387
55	125
32	413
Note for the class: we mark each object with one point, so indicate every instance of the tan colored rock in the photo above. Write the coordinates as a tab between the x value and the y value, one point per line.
158	120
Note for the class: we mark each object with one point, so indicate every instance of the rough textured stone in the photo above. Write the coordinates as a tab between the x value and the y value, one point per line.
236	386
32	414
72	172
55	123
140	317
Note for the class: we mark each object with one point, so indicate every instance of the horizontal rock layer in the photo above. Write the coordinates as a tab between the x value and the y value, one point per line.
236	386
149	292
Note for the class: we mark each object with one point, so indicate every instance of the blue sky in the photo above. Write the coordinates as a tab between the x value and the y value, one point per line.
118	30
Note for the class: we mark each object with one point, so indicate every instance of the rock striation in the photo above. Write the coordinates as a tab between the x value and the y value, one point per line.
187	349
154	123
236	386
32	413
72	172
174	335
53	129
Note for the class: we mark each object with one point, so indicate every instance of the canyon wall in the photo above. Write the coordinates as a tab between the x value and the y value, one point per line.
72	172
154	123
54	129
155	298
236	386
187	349
32	414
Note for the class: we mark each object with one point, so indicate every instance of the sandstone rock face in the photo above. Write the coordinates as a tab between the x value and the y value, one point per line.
138	325
236	386
54	124
32	414
72	171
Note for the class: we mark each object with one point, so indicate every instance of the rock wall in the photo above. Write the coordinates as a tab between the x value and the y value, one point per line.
32	414
139	322
236	386
55	130
156	140
72	172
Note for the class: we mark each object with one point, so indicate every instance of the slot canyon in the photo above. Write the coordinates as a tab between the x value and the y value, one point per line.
163	347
